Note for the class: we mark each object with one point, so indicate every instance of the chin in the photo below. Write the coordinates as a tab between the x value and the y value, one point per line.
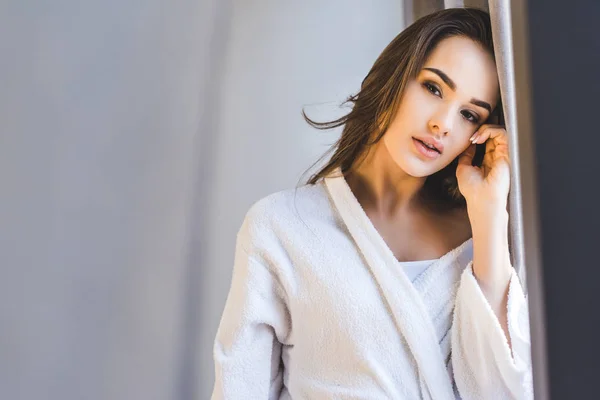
416	171
417	168
412	164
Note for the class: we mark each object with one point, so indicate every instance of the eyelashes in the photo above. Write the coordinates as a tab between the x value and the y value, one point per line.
435	90
470	117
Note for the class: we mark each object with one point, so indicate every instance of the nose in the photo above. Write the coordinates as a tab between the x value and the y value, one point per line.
440	124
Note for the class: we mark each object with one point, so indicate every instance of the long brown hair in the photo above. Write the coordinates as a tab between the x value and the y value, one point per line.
374	106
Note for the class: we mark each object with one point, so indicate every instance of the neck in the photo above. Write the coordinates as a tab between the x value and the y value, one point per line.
381	186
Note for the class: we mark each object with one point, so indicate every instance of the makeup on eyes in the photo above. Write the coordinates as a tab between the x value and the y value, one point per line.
452	85
435	90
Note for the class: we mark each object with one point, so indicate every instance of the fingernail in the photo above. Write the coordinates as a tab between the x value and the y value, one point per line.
474	138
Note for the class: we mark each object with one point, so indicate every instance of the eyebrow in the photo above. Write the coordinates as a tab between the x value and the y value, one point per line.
452	86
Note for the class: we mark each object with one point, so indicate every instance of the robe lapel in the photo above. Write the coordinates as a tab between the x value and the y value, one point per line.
437	287
410	314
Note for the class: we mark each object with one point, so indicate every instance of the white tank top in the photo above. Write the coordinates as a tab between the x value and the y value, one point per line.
415	268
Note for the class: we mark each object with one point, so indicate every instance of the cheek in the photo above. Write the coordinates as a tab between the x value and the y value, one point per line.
462	133
416	105
455	150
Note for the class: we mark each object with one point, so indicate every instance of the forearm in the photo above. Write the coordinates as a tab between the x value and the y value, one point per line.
491	260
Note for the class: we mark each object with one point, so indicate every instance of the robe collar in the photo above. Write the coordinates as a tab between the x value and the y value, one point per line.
408	310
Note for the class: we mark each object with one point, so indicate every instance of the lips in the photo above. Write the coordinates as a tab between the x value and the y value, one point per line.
431	143
425	151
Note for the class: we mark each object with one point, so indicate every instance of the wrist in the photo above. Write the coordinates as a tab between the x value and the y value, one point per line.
488	217
491	255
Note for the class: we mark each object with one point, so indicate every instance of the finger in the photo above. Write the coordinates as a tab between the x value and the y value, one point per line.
494	151
481	129
466	158
496	147
489	132
494	134
501	153
496	157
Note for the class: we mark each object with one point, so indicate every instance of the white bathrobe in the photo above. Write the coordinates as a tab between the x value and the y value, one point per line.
320	309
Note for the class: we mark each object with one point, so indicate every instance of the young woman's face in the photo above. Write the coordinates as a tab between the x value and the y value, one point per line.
450	98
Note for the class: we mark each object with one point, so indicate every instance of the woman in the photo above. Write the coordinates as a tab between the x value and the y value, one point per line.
388	275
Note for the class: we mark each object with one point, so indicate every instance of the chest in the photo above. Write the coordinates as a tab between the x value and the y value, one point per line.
358	312
413	237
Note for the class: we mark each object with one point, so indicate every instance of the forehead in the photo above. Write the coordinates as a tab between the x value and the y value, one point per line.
469	65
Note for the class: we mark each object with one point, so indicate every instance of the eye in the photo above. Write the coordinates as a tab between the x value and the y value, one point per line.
431	88
469	116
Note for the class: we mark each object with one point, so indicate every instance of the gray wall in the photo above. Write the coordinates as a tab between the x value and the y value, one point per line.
99	116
